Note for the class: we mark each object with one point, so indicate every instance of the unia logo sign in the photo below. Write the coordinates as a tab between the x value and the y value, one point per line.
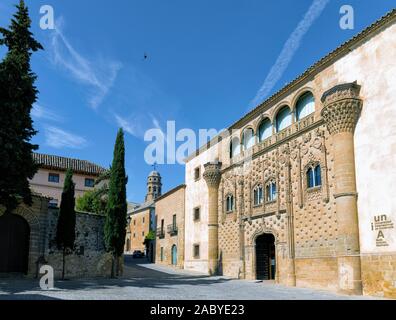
381	225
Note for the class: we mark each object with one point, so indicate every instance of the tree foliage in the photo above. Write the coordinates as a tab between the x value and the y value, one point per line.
116	211
92	201
17	96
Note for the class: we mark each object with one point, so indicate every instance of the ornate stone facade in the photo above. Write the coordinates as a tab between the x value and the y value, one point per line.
302	205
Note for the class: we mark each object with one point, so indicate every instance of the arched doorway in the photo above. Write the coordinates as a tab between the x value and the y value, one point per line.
14	244
265	257
174	255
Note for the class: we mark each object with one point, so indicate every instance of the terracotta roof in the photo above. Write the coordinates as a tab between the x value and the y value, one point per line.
337	53
62	163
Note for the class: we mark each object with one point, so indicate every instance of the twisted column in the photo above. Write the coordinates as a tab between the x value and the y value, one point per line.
212	176
342	107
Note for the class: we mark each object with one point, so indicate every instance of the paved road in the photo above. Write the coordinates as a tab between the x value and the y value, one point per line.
152	282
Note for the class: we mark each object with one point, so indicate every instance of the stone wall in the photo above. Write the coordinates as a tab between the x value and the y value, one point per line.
89	258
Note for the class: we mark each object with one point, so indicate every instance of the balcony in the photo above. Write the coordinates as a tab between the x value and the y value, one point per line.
172	229
160	233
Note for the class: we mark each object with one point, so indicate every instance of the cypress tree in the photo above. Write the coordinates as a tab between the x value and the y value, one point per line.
17	95
65	232
116	211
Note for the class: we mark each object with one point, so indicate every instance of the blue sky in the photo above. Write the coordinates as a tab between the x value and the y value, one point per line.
206	62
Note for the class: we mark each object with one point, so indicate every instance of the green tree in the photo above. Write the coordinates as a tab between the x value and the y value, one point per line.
116	211
17	96
66	229
92	201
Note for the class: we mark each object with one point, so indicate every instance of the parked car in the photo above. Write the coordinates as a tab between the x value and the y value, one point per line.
137	254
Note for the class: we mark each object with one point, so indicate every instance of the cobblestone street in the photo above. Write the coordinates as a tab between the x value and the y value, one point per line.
153	282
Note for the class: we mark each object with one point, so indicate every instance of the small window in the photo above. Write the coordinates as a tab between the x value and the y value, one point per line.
53	177
230	203
196	251
134	235
143	219
271	191
154	189
197	214
197	173
174	221
258	195
90	183
143	233
53	203
134	222
162	225
162	254
314	177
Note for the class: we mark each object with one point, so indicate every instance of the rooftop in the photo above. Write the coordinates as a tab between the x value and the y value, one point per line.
62	164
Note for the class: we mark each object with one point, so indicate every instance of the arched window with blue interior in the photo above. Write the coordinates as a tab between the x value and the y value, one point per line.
235	147
265	130
305	105
258	195
230	203
283	119
270	190
314	176
247	138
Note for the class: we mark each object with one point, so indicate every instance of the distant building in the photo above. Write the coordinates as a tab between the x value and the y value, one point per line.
50	177
169	216
142	217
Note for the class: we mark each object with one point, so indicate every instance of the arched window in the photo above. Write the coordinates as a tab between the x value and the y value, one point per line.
258	195
305	105
230	203
265	130
283	119
235	147
270	190
247	138
314	176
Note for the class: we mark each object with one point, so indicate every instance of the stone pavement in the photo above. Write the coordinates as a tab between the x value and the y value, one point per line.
142	281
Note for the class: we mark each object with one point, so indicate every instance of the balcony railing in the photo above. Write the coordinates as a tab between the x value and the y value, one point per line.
172	229
160	233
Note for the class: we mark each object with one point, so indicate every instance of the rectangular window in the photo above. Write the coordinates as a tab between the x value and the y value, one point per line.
162	225
134	222
143	219
134	235
53	203
197	214
143	233
174	221
196	251
53	177
197	173
162	254
90	183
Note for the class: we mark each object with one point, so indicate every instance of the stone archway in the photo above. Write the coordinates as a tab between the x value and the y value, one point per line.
14	244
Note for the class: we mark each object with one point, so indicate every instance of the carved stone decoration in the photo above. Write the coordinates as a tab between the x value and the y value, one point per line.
342	107
212	174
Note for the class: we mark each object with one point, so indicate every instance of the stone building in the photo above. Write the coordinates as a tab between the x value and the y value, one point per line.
142	217
51	174
169	217
302	190
27	241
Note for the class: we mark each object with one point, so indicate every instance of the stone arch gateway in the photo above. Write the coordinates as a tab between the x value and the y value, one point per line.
14	244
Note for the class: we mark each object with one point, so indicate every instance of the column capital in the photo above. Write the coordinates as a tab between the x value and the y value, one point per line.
212	174
342	107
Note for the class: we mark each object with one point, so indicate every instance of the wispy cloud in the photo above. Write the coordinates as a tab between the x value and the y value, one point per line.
40	112
289	49
132	128
59	138
97	74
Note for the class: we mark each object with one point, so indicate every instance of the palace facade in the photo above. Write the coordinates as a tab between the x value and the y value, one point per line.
302	190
